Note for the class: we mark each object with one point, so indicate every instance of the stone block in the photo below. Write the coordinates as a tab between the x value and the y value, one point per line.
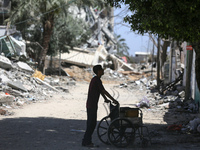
24	66
5	63
16	85
6	98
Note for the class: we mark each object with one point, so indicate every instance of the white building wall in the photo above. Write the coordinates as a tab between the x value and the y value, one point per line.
185	62
193	77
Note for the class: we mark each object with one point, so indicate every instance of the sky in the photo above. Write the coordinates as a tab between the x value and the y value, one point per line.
135	42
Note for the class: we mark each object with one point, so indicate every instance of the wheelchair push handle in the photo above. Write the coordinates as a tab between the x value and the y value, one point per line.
111	102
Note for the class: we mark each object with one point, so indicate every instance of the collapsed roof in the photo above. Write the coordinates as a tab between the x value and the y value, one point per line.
87	58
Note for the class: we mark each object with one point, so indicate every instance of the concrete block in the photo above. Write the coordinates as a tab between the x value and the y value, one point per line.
6	98
5	63
182	94
28	87
144	80
14	92
24	66
4	78
16	85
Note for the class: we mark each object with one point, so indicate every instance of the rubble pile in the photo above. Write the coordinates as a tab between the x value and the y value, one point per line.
110	74
122	76
78	74
181	114
19	85
81	74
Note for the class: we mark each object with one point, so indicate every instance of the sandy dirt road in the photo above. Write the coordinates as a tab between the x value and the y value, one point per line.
59	123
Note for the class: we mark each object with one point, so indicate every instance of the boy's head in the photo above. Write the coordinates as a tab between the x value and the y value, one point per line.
97	68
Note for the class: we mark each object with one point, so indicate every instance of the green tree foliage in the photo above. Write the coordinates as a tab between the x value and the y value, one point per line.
177	19
68	33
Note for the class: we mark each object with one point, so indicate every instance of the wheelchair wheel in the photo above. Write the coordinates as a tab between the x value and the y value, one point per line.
102	129
121	132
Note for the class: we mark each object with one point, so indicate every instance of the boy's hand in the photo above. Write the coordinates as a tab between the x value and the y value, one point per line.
106	101
115	102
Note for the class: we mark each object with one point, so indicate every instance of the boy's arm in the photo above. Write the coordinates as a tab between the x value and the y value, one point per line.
104	93
105	98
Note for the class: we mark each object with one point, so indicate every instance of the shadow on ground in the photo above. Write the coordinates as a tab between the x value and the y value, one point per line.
57	134
40	133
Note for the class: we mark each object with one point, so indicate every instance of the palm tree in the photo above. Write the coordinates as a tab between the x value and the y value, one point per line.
44	12
122	47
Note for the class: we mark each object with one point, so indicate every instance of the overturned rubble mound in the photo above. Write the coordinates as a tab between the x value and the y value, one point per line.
78	74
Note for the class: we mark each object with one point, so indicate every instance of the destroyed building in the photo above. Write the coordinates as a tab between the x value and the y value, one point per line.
11	42
10	46
142	57
100	47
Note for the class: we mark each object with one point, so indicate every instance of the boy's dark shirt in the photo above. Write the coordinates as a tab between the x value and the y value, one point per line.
94	91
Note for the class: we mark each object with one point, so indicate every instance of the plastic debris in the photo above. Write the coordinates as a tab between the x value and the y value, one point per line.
143	103
194	124
174	127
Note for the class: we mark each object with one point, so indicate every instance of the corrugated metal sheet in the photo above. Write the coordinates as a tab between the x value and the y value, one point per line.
78	57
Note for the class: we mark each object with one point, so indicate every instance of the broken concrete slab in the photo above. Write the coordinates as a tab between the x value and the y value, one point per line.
6	98
71	83
182	94
4	78
14	92
137	82
5	63
28	87
19	103
53	82
16	85
64	89
48	85
24	66
144	81
165	105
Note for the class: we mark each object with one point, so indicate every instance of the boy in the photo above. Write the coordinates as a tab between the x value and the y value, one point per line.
95	89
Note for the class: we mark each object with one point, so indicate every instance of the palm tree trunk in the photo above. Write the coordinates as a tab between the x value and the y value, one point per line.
48	25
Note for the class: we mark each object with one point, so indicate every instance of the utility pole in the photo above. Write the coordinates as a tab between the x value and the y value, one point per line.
59	62
152	61
188	71
171	61
57	42
158	65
